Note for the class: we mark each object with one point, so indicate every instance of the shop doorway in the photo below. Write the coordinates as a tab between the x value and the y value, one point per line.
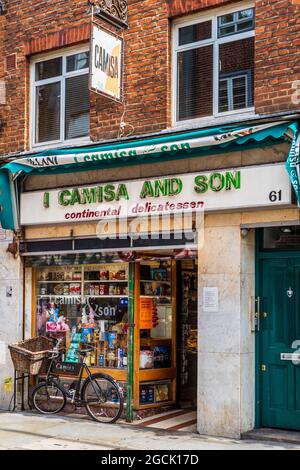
279	340
187	335
181	413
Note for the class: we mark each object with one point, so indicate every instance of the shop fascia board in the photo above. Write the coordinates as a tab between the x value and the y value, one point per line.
191	144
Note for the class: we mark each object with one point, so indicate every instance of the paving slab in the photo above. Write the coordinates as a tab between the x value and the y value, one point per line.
33	431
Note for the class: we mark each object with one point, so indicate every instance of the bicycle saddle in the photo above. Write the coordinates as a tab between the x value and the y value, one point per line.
84	351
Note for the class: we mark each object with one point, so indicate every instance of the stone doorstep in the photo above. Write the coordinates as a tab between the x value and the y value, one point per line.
272	435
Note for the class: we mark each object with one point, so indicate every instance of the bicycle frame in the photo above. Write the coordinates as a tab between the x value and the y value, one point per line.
76	397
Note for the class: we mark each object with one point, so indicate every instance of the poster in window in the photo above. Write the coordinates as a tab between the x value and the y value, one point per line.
106	63
146	310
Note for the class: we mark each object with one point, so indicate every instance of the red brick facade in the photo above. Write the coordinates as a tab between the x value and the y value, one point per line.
33	26
277	63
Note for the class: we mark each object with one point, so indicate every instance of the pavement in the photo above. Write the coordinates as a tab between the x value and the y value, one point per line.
30	431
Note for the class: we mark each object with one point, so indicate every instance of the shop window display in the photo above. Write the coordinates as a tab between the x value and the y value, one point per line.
86	304
89	304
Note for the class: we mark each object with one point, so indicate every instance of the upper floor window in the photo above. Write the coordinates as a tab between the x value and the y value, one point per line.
214	61
60	98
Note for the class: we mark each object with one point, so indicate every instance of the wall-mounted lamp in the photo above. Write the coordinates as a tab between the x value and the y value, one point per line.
244	232
286	230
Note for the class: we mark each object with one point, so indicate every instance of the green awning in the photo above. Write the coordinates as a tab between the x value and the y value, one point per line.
185	145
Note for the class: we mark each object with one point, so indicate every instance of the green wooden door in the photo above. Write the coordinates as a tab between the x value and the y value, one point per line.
279	331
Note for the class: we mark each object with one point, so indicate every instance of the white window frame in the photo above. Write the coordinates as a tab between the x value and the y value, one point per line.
62	80
229	81
215	42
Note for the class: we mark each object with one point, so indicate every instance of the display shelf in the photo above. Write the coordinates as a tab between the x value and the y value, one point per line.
145	341
106	281
157	282
46	296
78	281
155	297
106	296
147	375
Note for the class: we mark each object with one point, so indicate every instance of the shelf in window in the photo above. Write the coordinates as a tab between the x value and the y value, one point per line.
155	296
59	296
59	282
148	340
106	281
158	282
106	296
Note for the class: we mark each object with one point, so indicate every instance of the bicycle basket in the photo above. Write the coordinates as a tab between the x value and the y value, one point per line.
28	356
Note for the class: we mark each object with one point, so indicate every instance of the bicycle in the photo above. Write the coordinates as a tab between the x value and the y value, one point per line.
99	393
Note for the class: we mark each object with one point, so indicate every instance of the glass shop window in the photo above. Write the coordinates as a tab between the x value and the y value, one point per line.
86	305
60	108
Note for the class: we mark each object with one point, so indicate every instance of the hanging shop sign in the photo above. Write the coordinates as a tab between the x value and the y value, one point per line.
241	188
106	63
112	11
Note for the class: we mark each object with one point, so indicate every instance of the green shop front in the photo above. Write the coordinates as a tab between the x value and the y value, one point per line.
126	247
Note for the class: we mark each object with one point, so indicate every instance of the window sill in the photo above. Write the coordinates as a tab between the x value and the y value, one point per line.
210	121
65	144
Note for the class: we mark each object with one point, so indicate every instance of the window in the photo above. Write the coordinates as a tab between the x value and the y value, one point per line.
60	110
214	59
237	22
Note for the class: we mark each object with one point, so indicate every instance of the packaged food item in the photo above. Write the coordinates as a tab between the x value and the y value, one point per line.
120	358
87	335
162	357
112	339
146	394
59	275
111	358
103	289
101	360
92	289
66	289
125	361
59	289
76	276
104	275
75	289
161	393
121	275
146	359
159	274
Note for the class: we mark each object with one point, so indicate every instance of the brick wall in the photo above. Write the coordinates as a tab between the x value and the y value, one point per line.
277	64
27	20
183	7
147	79
34	26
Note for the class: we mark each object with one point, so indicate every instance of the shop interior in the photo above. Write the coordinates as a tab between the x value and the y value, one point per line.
88	303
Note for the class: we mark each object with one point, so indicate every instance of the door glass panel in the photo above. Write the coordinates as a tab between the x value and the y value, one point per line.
281	238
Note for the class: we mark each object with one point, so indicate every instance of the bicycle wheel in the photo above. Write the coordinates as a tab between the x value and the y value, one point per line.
48	398
103	398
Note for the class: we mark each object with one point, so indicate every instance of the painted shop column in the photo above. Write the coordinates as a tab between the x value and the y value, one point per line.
11	317
226	343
